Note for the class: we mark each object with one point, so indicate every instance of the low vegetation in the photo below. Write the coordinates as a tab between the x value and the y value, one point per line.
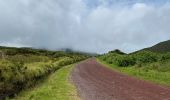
22	68
144	64
56	87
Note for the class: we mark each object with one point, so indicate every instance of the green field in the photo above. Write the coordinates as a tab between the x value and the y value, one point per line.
56	87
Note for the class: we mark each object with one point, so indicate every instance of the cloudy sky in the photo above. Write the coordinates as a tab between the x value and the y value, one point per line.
86	25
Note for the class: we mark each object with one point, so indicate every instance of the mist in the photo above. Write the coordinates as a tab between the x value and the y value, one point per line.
85	25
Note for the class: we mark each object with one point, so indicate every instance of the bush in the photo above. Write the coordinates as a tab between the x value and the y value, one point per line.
145	57
117	51
124	61
165	57
142	57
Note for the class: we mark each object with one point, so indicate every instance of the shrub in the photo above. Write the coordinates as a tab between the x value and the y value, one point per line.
117	51
165	57
145	57
136	58
124	61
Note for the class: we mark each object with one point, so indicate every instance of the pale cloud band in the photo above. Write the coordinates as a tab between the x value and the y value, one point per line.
101	27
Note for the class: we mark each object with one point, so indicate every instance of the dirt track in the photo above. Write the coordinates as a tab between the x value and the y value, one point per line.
96	82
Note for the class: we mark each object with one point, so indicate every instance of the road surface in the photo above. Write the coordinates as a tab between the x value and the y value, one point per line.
96	82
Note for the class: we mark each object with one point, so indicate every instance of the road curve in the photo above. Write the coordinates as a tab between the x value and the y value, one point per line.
96	82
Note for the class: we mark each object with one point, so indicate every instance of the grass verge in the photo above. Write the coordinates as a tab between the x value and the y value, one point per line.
162	78
56	87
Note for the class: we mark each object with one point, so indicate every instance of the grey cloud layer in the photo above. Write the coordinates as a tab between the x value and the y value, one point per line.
58	24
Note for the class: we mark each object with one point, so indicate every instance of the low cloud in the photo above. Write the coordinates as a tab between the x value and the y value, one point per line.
75	24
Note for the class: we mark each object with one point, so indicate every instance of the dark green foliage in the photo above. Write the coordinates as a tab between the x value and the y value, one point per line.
124	61
139	58
145	57
117	51
165	57
118	59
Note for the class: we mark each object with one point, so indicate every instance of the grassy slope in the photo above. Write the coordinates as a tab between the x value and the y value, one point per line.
150	75
21	68
56	87
160	47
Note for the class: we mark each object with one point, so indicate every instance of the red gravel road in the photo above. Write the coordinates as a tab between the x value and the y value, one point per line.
96	82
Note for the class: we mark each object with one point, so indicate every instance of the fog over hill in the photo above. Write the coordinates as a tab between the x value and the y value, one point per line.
84	25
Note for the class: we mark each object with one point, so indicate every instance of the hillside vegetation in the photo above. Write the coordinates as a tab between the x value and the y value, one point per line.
21	68
144	64
162	47
55	87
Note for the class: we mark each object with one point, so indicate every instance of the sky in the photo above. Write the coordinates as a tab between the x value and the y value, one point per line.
86	25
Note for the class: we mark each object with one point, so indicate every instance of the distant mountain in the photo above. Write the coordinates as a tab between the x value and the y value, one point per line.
161	47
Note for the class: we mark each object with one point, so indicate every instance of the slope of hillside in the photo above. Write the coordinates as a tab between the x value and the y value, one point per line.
21	68
56	87
160	47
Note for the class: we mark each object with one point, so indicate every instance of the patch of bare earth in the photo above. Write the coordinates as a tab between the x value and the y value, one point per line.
96	82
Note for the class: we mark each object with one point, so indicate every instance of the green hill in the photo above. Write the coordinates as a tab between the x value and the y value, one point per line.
161	47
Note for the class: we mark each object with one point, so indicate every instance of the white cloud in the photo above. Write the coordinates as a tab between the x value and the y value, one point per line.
57	24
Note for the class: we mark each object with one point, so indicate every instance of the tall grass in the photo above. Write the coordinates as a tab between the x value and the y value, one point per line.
21	68
56	87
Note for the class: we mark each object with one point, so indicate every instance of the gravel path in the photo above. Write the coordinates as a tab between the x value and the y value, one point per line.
96	82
